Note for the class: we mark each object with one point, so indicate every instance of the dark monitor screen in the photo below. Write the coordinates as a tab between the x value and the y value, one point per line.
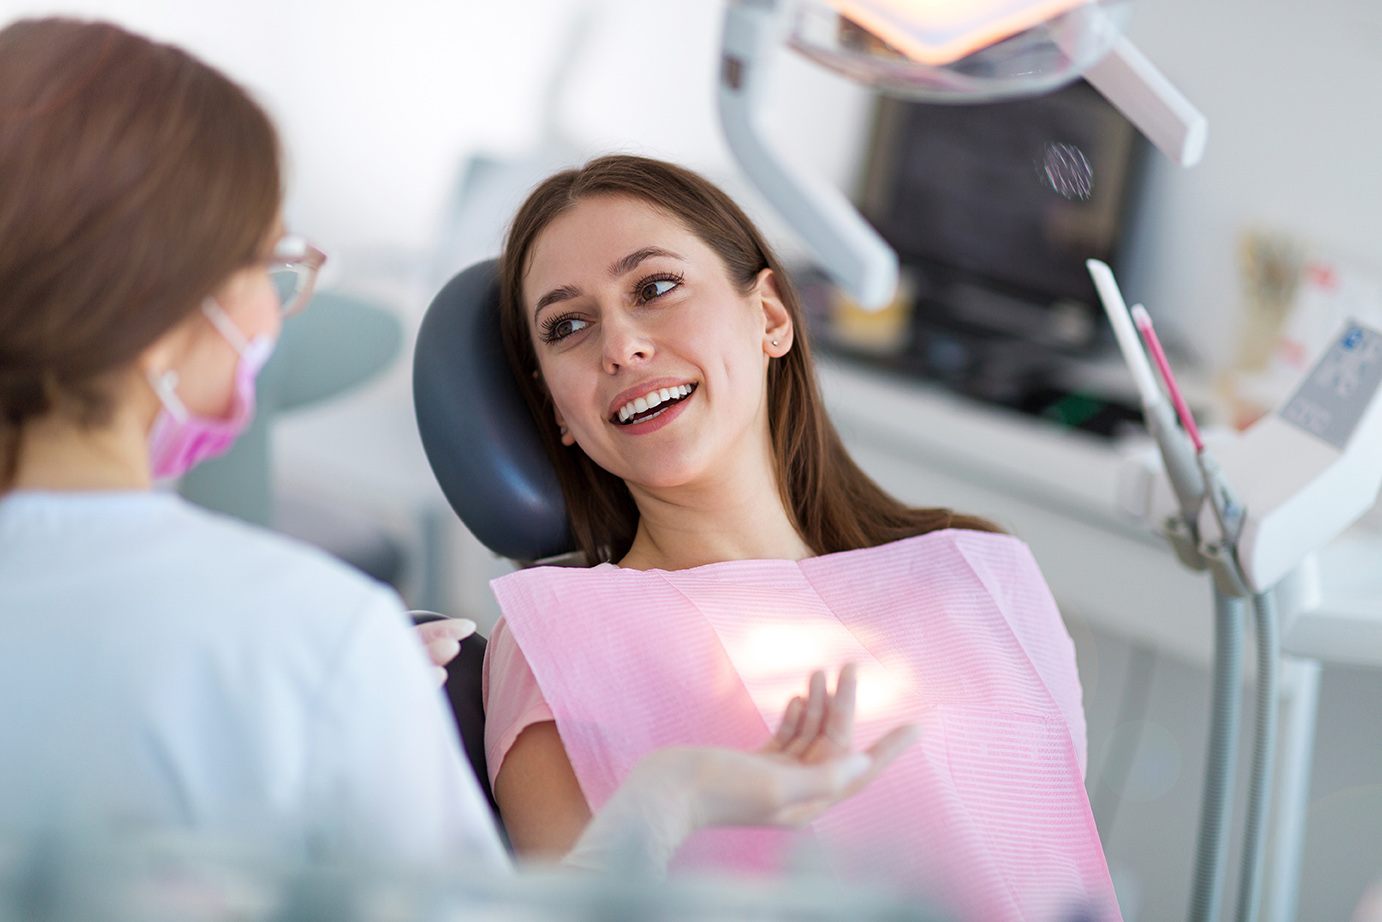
1016	195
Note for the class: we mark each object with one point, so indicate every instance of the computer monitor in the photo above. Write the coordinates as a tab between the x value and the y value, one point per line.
1007	198
993	210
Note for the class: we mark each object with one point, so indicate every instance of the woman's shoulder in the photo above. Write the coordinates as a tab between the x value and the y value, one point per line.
256	553
168	549
193	586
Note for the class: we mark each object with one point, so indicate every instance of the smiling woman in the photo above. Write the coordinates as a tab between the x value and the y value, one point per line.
669	239
658	343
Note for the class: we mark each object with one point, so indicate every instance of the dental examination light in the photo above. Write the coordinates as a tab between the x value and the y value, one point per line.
1299	476
944	51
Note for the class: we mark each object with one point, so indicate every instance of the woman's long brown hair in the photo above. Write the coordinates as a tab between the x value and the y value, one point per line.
834	505
134	180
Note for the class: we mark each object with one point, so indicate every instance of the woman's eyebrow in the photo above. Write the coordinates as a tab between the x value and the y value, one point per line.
564	293
630	262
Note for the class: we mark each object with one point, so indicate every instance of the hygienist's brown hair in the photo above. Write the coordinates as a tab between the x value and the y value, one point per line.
134	181
834	505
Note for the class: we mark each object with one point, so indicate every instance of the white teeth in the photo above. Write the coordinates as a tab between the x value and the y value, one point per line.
652	400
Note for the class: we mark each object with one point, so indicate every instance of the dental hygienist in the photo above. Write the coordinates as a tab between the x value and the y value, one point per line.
164	667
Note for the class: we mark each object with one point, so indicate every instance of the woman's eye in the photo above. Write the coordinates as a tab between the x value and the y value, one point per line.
562	327
656	288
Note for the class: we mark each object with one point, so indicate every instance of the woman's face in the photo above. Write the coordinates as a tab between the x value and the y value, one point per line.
655	360
207	360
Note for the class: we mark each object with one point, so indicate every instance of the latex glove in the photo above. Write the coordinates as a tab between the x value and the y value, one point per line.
807	767
443	642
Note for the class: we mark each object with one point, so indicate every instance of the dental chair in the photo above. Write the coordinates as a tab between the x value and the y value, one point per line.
479	437
484	450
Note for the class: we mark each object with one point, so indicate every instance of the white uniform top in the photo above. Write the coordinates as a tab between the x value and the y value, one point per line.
161	666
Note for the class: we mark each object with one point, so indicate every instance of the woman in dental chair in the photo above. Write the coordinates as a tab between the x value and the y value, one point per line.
163	668
660	348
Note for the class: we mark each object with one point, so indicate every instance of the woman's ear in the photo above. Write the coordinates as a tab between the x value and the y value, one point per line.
567	438
172	348
777	320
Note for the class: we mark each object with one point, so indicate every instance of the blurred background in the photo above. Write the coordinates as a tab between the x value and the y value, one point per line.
413	129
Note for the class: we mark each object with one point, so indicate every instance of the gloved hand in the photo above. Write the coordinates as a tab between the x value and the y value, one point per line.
803	770
442	638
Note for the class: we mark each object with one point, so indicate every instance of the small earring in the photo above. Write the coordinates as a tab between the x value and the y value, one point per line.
562	429
774	342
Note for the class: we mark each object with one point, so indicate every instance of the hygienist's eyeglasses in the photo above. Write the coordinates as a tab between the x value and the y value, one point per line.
293	271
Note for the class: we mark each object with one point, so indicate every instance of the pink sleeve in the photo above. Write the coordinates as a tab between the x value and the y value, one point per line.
512	699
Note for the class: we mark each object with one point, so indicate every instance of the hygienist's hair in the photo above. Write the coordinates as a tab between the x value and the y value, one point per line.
834	505
134	181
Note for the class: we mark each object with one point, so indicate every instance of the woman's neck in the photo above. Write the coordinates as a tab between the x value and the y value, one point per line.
735	517
56	452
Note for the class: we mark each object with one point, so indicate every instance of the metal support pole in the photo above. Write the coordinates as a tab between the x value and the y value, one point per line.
1221	760
1258	823
1300	696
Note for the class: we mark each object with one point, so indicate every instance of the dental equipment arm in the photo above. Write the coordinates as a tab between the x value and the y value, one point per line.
1306	472
1190	472
1302	473
1177	452
850	251
1151	102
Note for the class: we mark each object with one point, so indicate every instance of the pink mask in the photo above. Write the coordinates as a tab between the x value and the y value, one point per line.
179	439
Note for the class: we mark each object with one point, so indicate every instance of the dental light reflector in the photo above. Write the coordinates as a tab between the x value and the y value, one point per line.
1035	60
941	31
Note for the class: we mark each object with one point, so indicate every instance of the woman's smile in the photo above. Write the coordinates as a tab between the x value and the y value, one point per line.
653	402
655	416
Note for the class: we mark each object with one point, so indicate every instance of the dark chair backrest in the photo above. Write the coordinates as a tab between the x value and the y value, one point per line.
479	437
484	450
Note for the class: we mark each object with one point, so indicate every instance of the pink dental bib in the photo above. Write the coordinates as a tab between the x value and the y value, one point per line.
954	630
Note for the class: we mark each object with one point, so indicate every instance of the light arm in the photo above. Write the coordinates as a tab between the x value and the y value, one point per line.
849	250
1150	101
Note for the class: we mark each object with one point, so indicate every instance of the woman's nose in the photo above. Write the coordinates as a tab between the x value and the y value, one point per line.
625	343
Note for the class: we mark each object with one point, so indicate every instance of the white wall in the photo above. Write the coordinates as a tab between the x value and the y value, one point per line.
379	102
1292	93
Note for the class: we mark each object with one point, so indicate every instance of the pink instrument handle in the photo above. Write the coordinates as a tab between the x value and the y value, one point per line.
1143	321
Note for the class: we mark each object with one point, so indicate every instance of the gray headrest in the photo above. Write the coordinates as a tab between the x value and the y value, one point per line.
480	438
